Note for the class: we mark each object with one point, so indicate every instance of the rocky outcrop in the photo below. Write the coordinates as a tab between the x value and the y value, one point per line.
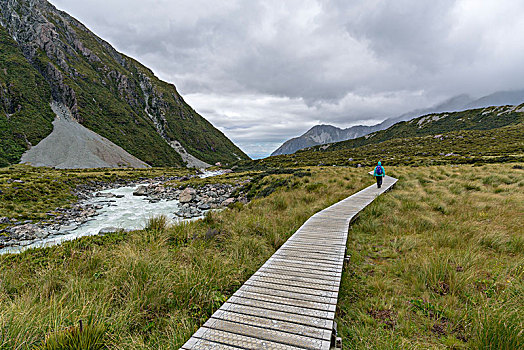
140	191
187	195
36	35
156	109
194	201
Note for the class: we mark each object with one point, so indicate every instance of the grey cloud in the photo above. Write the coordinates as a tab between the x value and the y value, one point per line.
264	71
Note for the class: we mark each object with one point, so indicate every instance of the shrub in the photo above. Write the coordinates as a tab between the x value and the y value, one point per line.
89	337
157	223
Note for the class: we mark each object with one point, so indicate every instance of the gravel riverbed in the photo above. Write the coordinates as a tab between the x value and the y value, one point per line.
121	205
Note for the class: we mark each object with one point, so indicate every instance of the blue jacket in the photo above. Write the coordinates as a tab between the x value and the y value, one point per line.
383	171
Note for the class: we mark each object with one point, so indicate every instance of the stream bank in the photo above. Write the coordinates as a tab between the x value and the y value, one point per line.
124	205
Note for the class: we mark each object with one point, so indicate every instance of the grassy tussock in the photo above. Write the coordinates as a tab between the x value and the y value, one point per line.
90	337
438	262
152	289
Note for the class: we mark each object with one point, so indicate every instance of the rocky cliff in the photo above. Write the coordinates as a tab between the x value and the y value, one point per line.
48	56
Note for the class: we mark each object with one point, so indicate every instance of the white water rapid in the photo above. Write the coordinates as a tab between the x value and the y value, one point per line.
126	213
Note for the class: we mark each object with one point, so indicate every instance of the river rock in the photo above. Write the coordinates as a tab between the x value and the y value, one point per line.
187	195
106	195
4	220
140	191
204	206
228	202
28	232
109	229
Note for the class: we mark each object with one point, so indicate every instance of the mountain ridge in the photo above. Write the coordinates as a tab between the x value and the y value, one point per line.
106	91
481	135
453	104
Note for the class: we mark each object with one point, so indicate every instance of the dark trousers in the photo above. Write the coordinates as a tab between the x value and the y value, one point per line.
379	181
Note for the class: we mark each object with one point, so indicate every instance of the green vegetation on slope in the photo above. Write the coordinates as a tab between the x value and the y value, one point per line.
25	115
118	113
432	124
109	93
492	134
458	147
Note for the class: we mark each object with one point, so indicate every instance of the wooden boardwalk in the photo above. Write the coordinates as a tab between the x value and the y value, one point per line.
290	302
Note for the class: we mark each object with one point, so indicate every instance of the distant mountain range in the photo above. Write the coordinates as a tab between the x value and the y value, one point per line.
479	135
113	111
323	134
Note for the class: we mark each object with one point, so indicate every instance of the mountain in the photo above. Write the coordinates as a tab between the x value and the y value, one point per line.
499	98
457	103
437	123
484	134
49	58
322	134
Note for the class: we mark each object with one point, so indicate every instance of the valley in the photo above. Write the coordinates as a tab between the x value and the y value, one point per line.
129	221
397	289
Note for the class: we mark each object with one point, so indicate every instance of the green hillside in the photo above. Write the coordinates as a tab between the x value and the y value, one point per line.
482	135
432	124
56	57
25	115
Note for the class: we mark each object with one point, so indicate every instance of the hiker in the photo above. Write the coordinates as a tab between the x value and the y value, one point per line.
379	173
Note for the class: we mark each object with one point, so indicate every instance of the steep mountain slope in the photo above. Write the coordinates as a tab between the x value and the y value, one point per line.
113	95
25	114
454	104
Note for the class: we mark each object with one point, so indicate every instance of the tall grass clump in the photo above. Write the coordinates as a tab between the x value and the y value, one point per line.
157	223
499	327
88	337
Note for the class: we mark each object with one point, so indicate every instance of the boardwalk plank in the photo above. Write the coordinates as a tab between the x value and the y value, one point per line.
309	321
269	334
294	328
286	301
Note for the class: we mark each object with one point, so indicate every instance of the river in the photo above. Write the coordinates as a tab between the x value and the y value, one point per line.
127	213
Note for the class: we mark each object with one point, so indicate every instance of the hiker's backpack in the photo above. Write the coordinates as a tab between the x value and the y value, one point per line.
379	170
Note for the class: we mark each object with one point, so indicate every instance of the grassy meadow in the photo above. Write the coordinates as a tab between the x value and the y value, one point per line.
436	263
152	289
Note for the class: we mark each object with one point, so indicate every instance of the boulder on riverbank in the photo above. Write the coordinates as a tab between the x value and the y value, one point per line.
187	195
141	191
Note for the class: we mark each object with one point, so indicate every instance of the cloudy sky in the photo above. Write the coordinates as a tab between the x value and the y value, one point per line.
266	71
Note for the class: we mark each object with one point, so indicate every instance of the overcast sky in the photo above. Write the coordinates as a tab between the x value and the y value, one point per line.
265	71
